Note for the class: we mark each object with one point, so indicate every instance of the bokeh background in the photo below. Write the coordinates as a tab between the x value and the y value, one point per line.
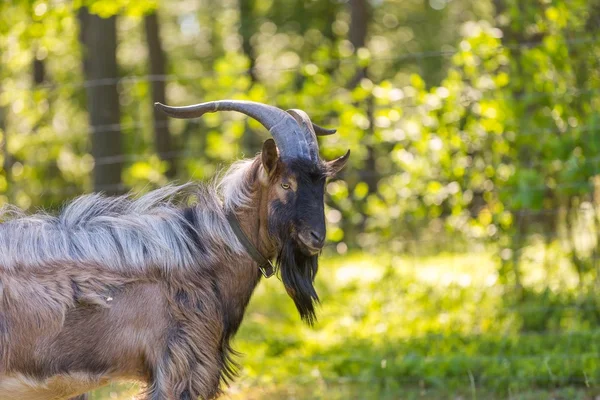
464	234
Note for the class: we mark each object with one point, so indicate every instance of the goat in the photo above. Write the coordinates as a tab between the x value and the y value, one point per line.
154	288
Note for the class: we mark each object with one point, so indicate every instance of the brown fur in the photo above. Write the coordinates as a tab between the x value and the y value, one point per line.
67	328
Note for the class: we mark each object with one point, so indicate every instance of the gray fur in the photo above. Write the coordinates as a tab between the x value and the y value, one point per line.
124	233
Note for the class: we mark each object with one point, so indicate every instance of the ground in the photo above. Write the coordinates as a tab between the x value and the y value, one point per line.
394	327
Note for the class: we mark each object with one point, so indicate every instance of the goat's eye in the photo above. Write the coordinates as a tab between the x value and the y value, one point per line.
286	186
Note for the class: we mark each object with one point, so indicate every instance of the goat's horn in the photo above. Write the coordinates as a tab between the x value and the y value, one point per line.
320	131
286	127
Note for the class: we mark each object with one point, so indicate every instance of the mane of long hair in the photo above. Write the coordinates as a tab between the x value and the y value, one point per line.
298	272
129	234
297	269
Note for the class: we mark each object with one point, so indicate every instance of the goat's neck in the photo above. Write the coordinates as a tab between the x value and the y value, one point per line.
253	219
240	280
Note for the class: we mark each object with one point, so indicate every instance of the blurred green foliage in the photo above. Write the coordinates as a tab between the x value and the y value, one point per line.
503	128
472	125
431	325
424	327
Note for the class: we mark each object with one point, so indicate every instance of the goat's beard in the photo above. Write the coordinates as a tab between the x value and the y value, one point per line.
298	272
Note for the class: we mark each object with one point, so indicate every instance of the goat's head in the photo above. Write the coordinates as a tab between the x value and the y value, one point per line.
294	176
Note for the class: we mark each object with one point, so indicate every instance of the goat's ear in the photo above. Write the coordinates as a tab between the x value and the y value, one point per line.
335	166
269	156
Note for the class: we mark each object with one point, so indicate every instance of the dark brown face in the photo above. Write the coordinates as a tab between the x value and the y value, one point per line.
310	213
296	221
296	198
297	206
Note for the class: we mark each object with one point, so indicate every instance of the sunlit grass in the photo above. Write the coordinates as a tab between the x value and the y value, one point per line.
409	327
120	391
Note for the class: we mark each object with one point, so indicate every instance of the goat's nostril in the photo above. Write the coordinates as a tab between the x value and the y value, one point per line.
317	236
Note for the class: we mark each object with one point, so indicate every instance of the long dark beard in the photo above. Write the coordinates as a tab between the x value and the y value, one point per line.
298	272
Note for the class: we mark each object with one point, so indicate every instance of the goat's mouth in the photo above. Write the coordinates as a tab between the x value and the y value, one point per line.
308	246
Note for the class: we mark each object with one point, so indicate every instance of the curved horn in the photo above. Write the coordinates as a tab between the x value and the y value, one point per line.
320	131
292	140
307	127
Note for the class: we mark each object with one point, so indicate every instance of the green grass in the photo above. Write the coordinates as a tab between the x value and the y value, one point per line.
426	328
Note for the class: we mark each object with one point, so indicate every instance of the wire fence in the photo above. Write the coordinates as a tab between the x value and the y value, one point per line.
403	103
562	368
522	46
520	99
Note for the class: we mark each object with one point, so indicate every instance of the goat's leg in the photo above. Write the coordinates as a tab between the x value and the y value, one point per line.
182	389
80	397
193	359
185	377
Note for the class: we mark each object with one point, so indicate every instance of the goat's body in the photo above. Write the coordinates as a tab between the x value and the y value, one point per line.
117	289
93	333
118	233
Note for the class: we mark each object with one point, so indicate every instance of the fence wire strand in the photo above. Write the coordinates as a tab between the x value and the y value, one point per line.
323	64
468	360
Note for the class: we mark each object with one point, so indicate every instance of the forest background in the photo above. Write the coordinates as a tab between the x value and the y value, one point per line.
465	232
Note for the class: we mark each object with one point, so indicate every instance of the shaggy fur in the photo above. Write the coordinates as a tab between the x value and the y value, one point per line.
75	291
152	288
122	233
298	270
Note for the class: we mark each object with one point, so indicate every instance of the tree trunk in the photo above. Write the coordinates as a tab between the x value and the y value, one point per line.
7	164
431	68
163	140
359	19
250	142
247	25
98	37
39	71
